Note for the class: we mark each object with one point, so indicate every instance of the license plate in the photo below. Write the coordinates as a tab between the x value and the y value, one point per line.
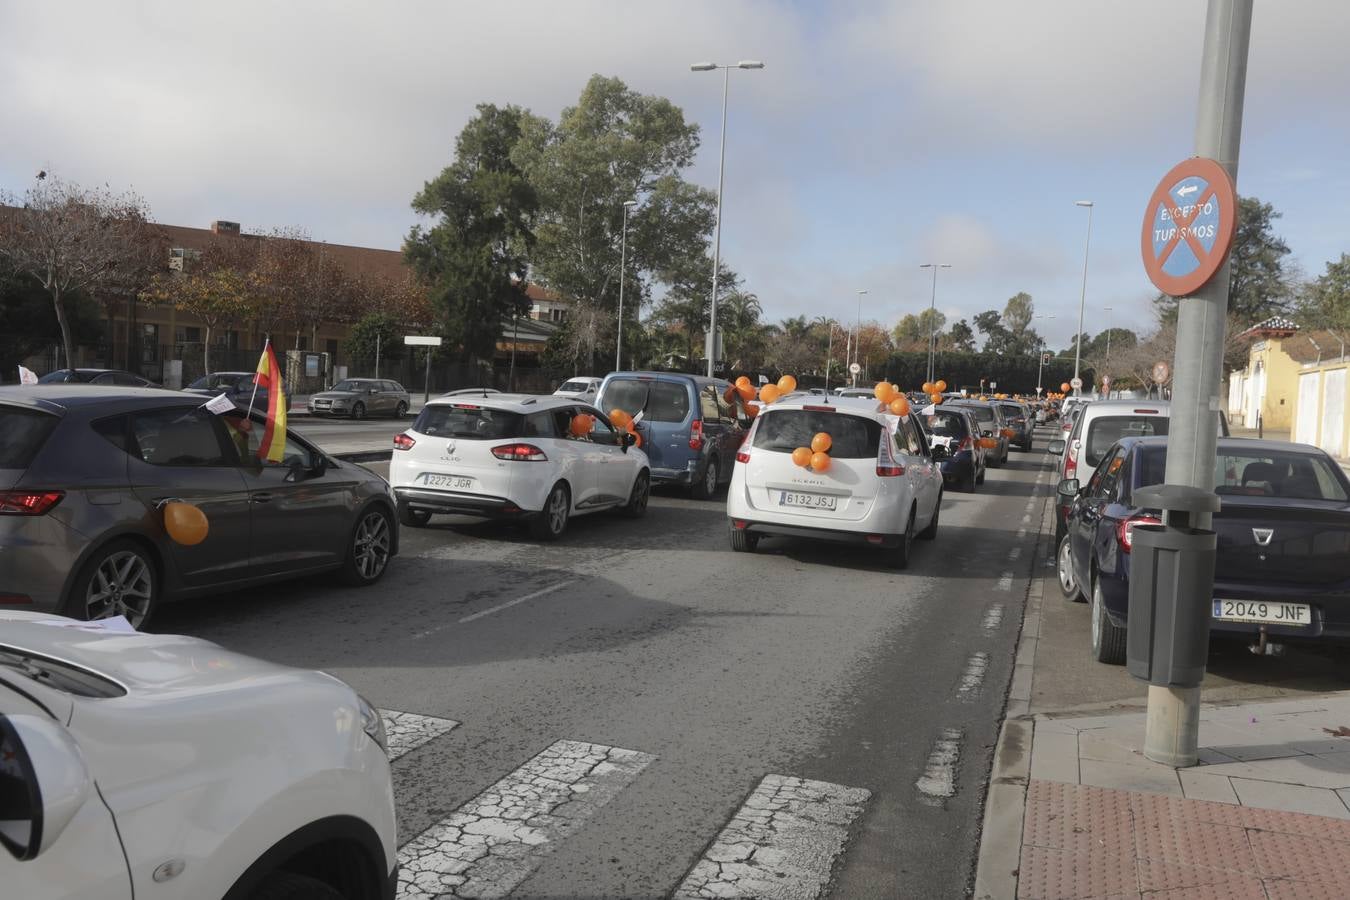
806	501
448	481
1263	611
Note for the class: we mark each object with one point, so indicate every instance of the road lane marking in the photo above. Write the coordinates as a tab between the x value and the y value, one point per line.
408	731
938	781
993	618
1021	533
510	603
1026	520
1014	553
1004	582
781	843
972	679
493	842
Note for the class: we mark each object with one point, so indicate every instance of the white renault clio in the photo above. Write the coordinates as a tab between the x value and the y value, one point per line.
881	485
516	456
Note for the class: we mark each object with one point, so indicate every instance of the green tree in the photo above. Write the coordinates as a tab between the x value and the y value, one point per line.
1017	315
28	321
743	335
218	297
377	329
997	338
1325	301
475	255
962	337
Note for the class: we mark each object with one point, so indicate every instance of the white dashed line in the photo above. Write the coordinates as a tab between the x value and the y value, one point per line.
993	618
510	603
1026	520
781	843
493	842
938	781
1004	582
408	731
972	679
1014	553
1021	533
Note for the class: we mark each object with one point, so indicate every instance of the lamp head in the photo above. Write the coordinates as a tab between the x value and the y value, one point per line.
703	67
1082	203
749	64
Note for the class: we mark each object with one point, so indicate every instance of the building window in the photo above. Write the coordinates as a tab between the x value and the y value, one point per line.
188	335
557	315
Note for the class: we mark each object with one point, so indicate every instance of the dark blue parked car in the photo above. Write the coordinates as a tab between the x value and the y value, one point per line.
690	432
955	439
1283	567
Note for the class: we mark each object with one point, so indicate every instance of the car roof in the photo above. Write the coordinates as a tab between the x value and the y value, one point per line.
1236	445
56	398
674	376
520	403
868	406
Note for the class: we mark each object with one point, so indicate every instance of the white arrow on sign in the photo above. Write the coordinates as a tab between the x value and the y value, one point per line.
1188	189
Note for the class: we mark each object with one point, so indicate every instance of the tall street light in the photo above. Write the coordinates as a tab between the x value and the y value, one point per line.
932	313
1108	335
721	168
1082	297
623	269
857	334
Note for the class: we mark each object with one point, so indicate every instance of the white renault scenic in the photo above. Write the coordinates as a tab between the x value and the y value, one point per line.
880	486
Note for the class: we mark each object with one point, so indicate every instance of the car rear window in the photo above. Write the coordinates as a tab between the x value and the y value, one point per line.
1105	431
981	413
658	401
1294	476
947	424
467	420
1012	410
852	437
22	434
575	386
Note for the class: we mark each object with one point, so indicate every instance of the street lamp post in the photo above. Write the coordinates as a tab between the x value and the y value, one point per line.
711	343
623	267
1082	297
829	355
857	334
932	312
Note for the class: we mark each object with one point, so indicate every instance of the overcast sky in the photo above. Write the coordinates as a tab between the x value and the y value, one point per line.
879	135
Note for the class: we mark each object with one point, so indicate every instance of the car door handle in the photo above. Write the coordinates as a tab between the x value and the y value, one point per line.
261	497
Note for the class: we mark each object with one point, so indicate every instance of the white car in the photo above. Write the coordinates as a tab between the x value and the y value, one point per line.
515	456
882	487
166	767
585	388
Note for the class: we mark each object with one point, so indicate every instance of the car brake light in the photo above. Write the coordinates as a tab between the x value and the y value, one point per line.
1071	460
742	456
828	409
403	442
887	467
1125	530
465	406
966	444
1147	412
519	453
15	598
28	503
696	435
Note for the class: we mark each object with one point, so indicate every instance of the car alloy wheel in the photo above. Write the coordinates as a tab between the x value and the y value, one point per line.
551	522
401	410
1068	583
123	584
637	500
359	411
900	556
706	488
1108	639
371	546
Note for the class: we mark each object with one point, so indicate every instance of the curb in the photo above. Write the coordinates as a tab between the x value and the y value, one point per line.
1000	853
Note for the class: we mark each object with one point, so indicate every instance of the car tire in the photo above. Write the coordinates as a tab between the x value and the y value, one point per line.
401	410
283	885
898	557
743	541
636	507
983	473
1068	582
993	462
1028	446
706	487
1108	639
930	532
129	570
369	548
551	521
358	410
413	518
968	483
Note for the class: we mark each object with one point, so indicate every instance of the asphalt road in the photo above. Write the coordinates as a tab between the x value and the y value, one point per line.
346	435
717	670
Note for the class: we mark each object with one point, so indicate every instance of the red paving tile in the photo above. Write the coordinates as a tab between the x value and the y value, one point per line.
1088	843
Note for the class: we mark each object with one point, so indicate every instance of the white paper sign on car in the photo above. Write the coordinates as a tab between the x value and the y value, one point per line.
219	405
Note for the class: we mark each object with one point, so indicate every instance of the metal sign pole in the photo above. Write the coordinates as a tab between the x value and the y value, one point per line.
1173	723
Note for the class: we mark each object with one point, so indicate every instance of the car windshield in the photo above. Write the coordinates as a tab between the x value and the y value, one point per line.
1264	473
1105	431
352	384
22	434
467	420
851	437
216	382
579	386
947	424
658	401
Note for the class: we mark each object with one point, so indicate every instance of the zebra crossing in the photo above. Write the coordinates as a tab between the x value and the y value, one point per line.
782	842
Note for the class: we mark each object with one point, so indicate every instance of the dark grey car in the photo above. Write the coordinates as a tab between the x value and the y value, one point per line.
361	397
85	472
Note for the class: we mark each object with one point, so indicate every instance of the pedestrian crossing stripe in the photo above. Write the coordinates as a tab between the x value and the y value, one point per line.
408	731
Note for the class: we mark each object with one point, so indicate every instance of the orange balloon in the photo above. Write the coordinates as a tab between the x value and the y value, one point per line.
185	523
940	386
769	393
743	382
787	384
581	425
620	419
935	397
822	442
927	387
730	394
752	409
882	391
802	456
1065	387
747	390
900	406
820	462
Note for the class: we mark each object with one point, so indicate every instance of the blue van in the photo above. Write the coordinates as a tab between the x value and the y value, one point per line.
690	433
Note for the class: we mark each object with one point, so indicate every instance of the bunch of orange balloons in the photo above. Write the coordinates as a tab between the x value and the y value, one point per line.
817	456
771	392
624	422
891	398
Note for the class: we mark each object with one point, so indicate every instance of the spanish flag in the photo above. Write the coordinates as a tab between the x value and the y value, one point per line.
272	447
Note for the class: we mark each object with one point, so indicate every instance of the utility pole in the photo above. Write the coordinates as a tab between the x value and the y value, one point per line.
623	268
932	313
1082	297
377	354
1172	727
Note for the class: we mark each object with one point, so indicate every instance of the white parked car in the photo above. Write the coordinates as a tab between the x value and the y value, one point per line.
159	766
585	388
515	456
882	487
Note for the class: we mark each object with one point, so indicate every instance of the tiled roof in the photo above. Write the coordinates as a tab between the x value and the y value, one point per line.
1275	326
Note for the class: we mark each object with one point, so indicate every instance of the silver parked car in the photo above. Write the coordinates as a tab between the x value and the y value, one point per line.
85	473
361	397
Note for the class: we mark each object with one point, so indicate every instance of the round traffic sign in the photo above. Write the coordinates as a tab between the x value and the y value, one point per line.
1106	379
1076	383
1189	226
855	368
1161	372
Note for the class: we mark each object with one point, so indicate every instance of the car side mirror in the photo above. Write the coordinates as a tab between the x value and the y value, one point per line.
628	440
1068	488
319	466
53	783
1055	447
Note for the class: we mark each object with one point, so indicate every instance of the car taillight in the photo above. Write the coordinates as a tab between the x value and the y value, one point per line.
403	442
1125	530
966	444
28	503
696	435
742	456
519	453
887	467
